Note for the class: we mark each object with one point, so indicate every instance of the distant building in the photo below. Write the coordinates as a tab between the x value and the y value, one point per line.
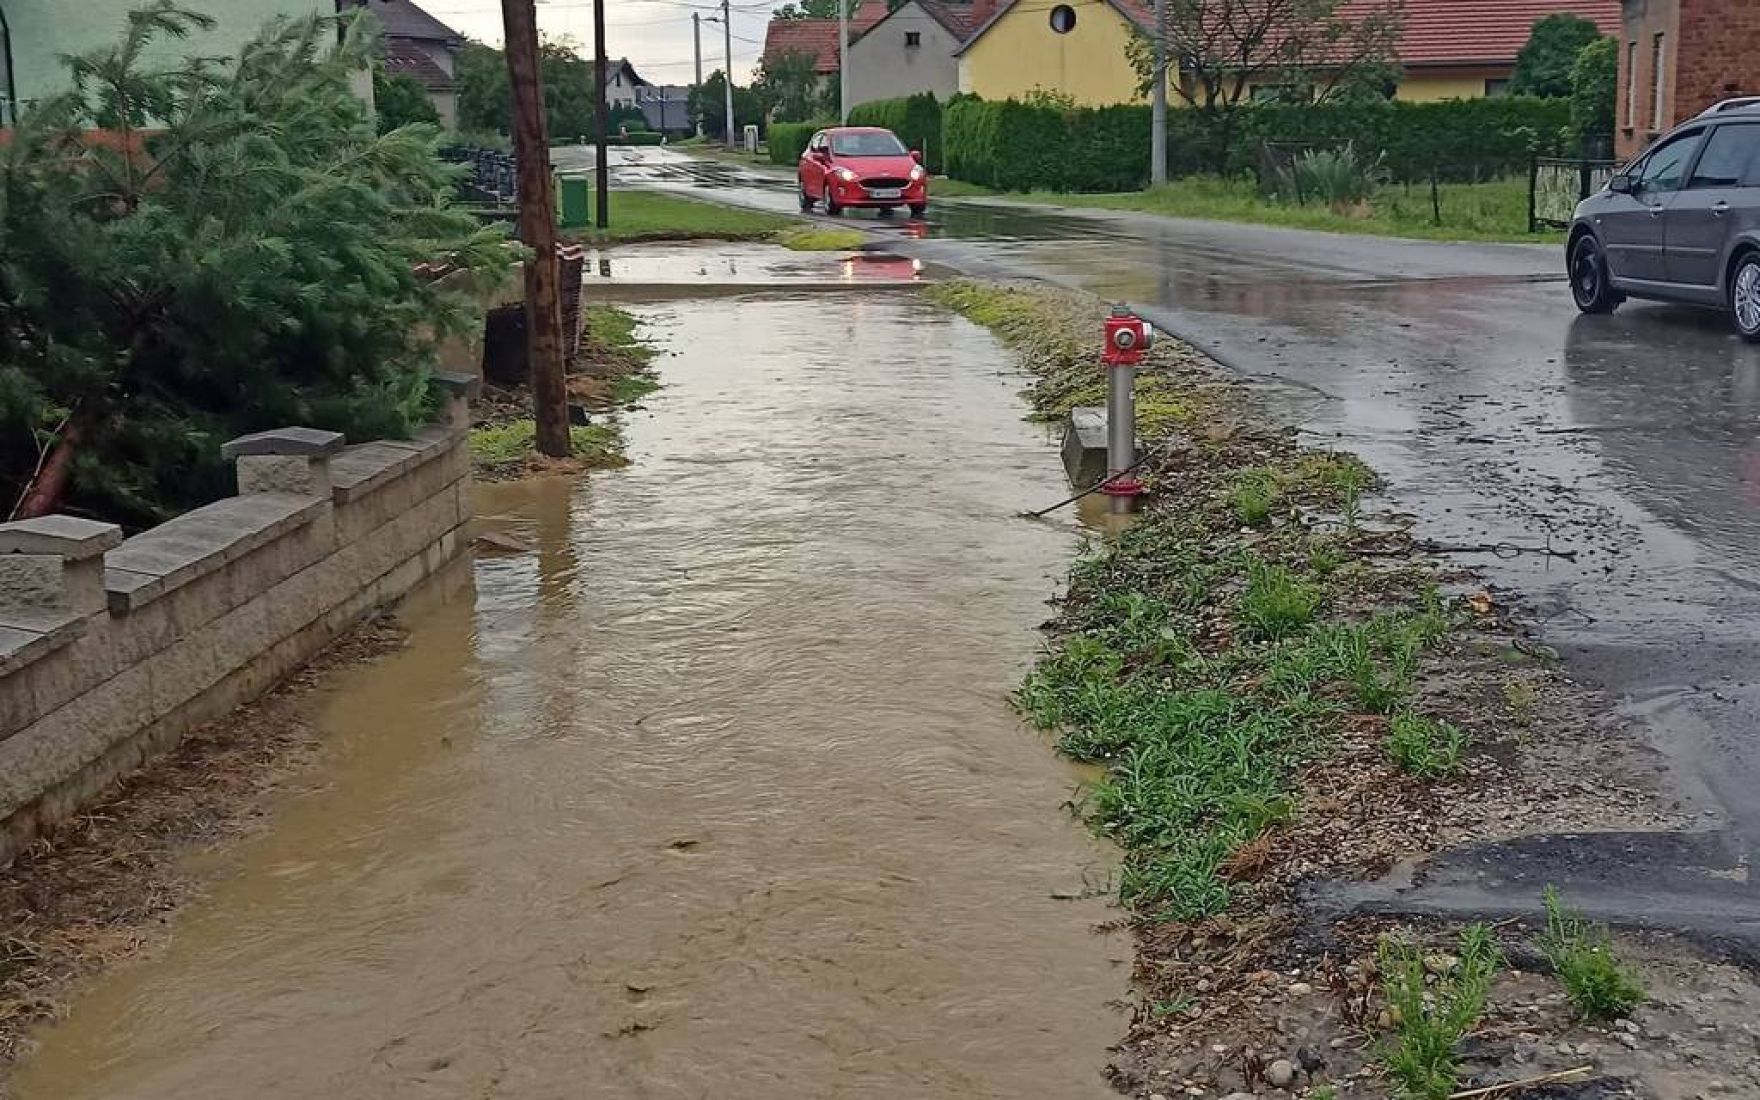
666	107
818	38
420	46
910	49
1678	57
1449	49
621	83
35	34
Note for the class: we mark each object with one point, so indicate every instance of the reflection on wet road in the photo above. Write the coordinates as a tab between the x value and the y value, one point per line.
713	793
1501	417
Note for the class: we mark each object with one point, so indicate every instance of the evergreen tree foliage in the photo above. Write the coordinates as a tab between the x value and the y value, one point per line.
195	249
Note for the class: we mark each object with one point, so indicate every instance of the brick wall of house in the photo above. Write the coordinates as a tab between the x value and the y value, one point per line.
1710	51
1719	54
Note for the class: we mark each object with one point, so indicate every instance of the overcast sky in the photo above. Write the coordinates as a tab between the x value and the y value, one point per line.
654	34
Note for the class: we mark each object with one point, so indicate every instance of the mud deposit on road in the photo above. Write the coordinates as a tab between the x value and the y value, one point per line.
712	790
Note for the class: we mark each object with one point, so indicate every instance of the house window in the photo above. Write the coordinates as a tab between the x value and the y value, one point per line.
913	38
1657	64
1063	19
1631	85
1495	88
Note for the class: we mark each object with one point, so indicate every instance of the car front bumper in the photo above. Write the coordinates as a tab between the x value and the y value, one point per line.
854	193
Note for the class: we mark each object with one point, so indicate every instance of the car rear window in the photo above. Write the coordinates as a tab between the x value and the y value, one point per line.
866	145
1729	158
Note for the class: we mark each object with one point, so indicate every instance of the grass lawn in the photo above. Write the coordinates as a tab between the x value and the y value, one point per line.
1493	211
654	216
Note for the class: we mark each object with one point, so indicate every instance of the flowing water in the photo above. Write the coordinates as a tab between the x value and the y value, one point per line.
713	793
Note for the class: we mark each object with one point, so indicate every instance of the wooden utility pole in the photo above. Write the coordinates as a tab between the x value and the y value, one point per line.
602	113
537	228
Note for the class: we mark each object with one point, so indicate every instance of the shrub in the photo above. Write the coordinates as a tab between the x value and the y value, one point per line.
915	119
1339	178
1581	954
788	140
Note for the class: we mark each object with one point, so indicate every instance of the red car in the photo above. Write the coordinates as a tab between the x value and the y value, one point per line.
862	166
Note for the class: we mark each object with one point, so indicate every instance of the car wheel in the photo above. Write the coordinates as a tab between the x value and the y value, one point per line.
1590	285
807	202
1744	296
917	209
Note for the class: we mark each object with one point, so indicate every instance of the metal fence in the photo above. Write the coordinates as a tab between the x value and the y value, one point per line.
1556	186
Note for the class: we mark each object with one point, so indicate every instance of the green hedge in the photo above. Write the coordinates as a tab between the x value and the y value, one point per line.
1017	147
1460	139
915	119
636	137
1014	146
788	140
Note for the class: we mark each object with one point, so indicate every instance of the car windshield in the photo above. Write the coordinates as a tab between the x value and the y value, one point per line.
878	144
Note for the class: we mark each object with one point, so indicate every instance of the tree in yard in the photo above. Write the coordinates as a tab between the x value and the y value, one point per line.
814	9
485	102
199	250
1315	50
789	84
708	102
1594	90
1543	67
399	100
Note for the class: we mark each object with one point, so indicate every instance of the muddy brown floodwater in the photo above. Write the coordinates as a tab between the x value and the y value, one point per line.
715	793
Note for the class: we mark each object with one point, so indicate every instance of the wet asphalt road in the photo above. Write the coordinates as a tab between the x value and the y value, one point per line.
1501	418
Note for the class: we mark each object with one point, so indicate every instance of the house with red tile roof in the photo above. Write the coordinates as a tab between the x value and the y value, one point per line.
911	50
1447	48
818	37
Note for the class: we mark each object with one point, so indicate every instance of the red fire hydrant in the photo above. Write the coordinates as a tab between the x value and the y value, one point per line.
1128	337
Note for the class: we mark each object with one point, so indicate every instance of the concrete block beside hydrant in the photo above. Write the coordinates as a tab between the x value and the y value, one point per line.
1084	446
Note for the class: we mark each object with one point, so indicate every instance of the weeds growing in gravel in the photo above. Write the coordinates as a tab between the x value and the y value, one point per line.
1426	747
1204	655
1277	602
1432	1017
1599	986
1254	495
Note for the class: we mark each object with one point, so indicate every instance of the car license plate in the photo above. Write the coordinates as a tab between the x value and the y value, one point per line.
885	192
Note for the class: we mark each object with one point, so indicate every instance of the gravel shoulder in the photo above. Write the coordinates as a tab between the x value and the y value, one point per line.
1285	693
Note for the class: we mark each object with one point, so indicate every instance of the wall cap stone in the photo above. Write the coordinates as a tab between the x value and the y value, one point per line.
69	537
311	442
459	384
164	558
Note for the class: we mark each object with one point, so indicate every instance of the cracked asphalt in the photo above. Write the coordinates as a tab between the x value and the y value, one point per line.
1500	417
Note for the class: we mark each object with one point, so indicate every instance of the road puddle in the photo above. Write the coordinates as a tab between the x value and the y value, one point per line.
713	792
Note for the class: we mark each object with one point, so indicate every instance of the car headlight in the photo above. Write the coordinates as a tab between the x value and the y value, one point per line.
917	174
846	175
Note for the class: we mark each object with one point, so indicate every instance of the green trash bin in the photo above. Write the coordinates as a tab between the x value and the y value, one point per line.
575	208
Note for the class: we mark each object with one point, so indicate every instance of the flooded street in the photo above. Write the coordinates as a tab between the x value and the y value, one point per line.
714	793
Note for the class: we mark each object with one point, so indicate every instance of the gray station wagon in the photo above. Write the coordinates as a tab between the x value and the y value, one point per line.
1680	223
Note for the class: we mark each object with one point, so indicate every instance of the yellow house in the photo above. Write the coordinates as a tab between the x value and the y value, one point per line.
1448	49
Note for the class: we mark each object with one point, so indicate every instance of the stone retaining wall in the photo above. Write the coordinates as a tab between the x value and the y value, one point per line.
111	648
